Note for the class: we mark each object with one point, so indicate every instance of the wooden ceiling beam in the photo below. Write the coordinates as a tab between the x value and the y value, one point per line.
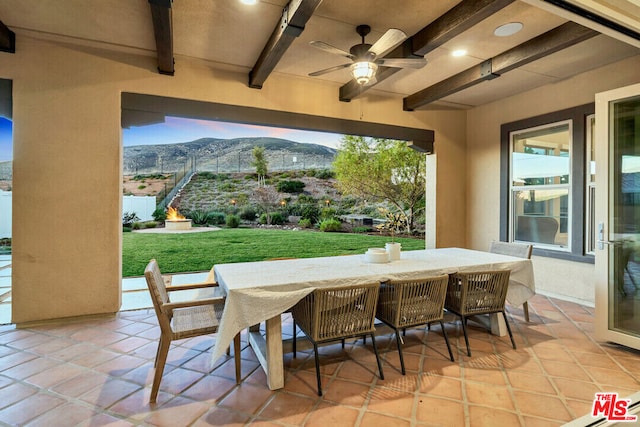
552	41
292	21
454	22
163	33
7	39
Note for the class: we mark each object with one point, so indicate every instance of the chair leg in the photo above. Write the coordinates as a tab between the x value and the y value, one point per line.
342	340
404	372
466	338
375	350
446	339
525	308
506	322
161	359
315	351
236	357
294	340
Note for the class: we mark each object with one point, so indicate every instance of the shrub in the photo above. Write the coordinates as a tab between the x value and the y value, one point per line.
233	221
327	213
128	218
216	218
159	214
330	225
141	187
206	175
305	223
248	214
325	174
150	224
137	226
310	212
274	218
198	216
290	186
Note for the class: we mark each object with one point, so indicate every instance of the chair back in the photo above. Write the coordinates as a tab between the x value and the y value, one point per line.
405	303
335	312
159	295
478	292
520	250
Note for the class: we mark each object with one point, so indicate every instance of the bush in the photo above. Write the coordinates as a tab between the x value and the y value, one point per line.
159	214
150	224
198	216
305	223
330	225
128	218
248	214
310	212
361	229
276	218
216	218
325	174
327	213
290	186
233	221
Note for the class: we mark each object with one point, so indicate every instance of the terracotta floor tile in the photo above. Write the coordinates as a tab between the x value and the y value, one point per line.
210	389
614	377
346	393
436	411
221	417
330	415
481	416
375	419
576	389
54	375
565	370
541	406
32	367
80	384
398	404
440	387
64	416
109	393
15	393
29	408
177	413
489	395
530	382
288	408
489	376
247	398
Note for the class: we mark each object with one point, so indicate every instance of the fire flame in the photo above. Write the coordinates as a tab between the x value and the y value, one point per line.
173	215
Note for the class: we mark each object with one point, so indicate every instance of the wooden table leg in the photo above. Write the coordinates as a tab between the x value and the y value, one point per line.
269	352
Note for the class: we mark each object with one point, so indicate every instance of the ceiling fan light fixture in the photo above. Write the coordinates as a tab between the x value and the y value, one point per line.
363	71
249	2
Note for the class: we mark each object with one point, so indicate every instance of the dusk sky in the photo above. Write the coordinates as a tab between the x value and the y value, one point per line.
6	150
175	130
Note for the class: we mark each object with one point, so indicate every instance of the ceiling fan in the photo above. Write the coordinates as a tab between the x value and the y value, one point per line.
366	57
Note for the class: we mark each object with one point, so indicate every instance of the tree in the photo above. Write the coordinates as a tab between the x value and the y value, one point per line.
259	162
382	170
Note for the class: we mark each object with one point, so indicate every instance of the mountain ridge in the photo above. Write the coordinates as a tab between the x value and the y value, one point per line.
225	155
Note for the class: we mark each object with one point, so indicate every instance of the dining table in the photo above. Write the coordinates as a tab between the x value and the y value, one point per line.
261	291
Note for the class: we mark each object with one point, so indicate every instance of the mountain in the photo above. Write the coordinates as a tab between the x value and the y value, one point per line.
224	155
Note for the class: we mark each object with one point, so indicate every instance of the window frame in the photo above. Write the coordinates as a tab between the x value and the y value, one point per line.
577	196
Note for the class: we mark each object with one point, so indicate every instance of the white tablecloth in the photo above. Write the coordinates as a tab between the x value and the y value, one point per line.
257	291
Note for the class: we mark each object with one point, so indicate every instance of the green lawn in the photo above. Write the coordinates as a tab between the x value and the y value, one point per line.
177	253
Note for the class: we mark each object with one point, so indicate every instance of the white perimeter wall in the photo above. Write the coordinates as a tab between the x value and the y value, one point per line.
5	214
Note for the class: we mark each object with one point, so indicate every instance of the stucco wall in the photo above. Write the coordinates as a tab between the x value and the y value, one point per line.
67	159
569	280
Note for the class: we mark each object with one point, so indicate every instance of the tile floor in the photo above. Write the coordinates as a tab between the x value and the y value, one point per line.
98	372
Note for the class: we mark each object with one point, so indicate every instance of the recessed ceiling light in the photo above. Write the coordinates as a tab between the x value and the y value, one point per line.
249	2
508	29
459	52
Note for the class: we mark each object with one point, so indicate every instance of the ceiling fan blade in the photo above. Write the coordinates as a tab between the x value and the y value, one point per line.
389	40
329	70
402	62
330	49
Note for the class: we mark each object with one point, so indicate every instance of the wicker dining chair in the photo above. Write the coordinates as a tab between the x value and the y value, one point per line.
336	313
406	304
479	292
184	319
520	250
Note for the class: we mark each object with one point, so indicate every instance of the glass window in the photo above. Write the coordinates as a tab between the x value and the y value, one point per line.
541	185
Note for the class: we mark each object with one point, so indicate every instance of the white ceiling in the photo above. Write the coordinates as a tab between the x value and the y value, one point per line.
230	35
